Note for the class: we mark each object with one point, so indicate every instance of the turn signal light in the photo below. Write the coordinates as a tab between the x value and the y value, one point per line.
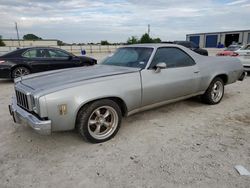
62	109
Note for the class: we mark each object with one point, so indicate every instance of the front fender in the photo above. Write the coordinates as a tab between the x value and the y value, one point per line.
127	88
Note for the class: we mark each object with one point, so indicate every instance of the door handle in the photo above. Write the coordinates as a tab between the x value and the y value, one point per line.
196	72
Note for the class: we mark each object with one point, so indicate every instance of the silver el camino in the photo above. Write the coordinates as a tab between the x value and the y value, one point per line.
94	99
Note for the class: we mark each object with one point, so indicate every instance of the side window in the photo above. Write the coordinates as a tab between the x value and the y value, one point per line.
58	54
36	53
30	54
173	57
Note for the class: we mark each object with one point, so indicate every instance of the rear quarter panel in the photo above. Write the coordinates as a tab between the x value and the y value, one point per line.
210	67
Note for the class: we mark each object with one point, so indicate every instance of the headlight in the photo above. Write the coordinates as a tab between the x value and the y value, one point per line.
34	109
33	104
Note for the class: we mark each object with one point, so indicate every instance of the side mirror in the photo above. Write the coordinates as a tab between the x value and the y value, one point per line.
70	57
160	66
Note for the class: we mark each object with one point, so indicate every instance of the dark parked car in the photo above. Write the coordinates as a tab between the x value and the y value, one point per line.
191	45
37	59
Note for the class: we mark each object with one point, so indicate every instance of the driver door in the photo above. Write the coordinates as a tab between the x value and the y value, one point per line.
60	60
179	79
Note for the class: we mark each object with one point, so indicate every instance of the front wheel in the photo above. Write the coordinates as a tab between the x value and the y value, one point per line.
215	92
99	121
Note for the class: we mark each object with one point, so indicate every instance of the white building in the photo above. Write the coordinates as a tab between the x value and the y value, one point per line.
211	40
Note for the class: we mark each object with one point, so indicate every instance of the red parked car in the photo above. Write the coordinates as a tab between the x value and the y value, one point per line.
230	51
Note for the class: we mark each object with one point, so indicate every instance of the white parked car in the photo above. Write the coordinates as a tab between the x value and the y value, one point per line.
244	56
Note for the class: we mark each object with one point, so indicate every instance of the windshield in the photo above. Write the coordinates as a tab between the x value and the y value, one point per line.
246	47
232	48
130	57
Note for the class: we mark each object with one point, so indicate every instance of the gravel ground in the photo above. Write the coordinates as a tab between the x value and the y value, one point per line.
185	144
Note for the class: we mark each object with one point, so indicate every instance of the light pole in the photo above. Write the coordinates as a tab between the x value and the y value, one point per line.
17	33
148	29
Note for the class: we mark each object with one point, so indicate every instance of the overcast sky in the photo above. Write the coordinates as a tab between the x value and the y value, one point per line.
116	20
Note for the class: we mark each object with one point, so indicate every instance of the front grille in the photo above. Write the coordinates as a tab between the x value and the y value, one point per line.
23	100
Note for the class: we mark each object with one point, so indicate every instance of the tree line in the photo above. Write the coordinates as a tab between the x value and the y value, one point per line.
145	38
1	41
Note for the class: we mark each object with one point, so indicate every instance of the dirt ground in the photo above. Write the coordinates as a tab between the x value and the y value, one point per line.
185	144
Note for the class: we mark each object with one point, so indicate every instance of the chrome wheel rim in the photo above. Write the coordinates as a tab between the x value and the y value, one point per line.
103	122
20	71
217	91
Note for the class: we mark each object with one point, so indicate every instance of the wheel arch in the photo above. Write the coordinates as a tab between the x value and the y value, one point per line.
20	65
117	100
224	78
207	96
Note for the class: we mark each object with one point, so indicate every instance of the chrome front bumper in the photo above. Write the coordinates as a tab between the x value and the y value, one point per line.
21	116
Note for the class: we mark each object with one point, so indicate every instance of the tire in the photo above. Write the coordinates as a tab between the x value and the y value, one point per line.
214	93
99	121
19	71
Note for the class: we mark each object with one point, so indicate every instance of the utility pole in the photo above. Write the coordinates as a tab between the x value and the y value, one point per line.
148	29
17	33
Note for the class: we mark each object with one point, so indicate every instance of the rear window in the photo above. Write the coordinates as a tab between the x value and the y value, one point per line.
247	47
10	53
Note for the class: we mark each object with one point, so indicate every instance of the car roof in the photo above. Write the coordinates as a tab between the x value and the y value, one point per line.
38	47
21	50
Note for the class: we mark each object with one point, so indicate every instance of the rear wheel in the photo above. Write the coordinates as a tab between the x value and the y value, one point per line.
215	92
99	121
19	71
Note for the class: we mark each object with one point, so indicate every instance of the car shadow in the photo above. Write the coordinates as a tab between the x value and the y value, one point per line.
5	81
64	138
179	106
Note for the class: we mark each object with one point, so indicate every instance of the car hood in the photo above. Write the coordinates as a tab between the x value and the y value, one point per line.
84	58
54	79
